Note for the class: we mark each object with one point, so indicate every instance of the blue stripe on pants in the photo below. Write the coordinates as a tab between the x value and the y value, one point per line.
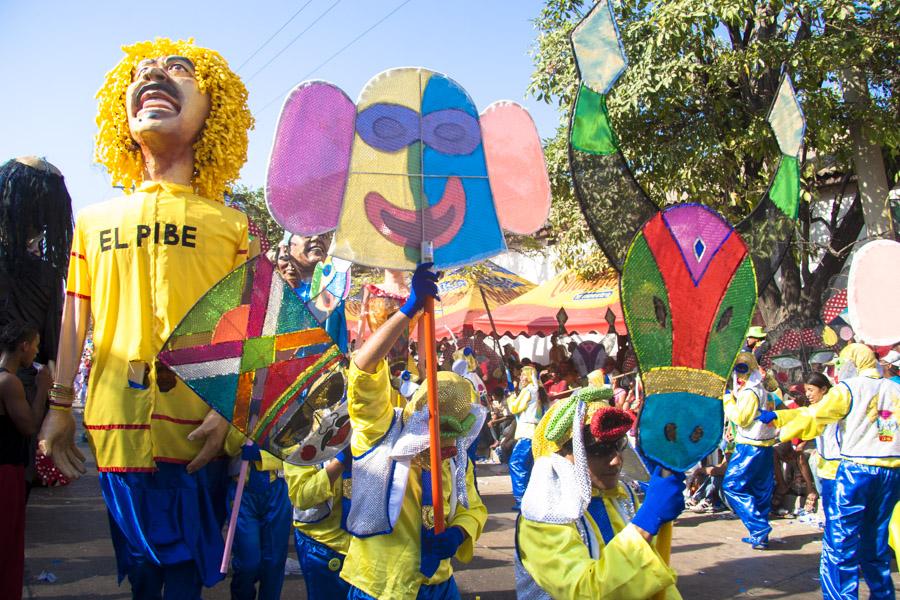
864	497
322	582
520	462
748	486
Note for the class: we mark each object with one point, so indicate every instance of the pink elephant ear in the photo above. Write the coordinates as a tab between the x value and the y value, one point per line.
515	164
311	158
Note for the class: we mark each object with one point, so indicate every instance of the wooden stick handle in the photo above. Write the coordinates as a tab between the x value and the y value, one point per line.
232	523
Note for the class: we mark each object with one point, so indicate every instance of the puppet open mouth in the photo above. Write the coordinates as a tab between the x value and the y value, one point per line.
404	227
157	97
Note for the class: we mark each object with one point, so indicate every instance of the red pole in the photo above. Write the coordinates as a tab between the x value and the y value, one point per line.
434	416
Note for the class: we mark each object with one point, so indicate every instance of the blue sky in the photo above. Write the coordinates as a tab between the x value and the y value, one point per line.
56	53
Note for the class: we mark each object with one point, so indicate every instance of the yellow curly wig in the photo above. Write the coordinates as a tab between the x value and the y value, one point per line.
221	149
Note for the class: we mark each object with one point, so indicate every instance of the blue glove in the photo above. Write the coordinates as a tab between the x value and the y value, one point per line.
766	416
664	502
438	546
424	285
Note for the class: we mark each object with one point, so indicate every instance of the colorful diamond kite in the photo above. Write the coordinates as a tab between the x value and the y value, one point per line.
252	350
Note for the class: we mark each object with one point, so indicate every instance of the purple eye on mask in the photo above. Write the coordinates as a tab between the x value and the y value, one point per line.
388	127
451	131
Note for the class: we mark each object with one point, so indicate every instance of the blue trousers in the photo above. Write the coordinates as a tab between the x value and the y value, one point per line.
826	498
166	528
322	581
864	497
520	462
748	486
440	591
260	548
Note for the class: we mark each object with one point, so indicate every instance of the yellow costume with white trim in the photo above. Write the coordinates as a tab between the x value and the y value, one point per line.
562	565
387	565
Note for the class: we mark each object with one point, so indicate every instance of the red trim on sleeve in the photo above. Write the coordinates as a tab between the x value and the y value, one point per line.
176	420
244	251
77	295
81	256
110	426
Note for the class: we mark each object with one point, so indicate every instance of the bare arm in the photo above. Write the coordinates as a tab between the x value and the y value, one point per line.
26	418
57	436
376	348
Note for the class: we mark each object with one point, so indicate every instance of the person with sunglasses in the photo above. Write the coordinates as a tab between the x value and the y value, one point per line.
750	477
582	533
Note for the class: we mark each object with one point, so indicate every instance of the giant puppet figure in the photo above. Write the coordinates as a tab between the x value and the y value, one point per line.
689	278
173	123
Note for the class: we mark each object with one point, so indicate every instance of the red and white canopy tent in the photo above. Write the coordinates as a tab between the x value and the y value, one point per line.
590	307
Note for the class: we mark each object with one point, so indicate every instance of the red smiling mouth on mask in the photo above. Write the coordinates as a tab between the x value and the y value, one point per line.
403	227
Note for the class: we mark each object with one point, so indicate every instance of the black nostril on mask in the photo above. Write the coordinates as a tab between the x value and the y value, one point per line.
670	431
696	434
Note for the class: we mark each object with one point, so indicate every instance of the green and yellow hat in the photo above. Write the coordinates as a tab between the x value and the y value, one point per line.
555	428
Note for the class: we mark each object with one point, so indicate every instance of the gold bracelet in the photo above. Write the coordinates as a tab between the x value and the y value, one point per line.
66	408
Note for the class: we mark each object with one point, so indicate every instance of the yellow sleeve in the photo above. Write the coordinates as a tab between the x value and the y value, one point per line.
369	405
307	486
809	421
245	252
519	402
742	411
471	519
78	281
560	564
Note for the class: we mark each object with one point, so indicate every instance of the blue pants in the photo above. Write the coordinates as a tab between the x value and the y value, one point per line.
166	528
864	497
260	546
321	569
439	591
826	498
748	486
520	462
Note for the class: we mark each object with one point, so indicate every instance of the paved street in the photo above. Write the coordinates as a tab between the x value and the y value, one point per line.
68	536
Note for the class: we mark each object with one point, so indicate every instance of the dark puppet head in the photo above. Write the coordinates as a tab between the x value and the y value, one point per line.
35	214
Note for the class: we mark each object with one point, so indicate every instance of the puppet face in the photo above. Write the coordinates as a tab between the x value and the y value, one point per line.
422	129
412	160
689	291
165	101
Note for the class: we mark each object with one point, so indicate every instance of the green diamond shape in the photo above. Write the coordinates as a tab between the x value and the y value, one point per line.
258	353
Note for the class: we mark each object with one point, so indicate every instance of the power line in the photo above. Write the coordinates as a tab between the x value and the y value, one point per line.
271	37
291	43
335	55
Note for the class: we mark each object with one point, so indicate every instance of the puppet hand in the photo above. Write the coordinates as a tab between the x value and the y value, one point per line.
767	416
664	502
424	285
439	546
56	440
213	431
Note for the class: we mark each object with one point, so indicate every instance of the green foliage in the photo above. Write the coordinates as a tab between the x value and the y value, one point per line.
252	202
690	110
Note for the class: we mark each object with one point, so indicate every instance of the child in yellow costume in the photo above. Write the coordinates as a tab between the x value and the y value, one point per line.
528	409
581	534
173	123
317	494
395	552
